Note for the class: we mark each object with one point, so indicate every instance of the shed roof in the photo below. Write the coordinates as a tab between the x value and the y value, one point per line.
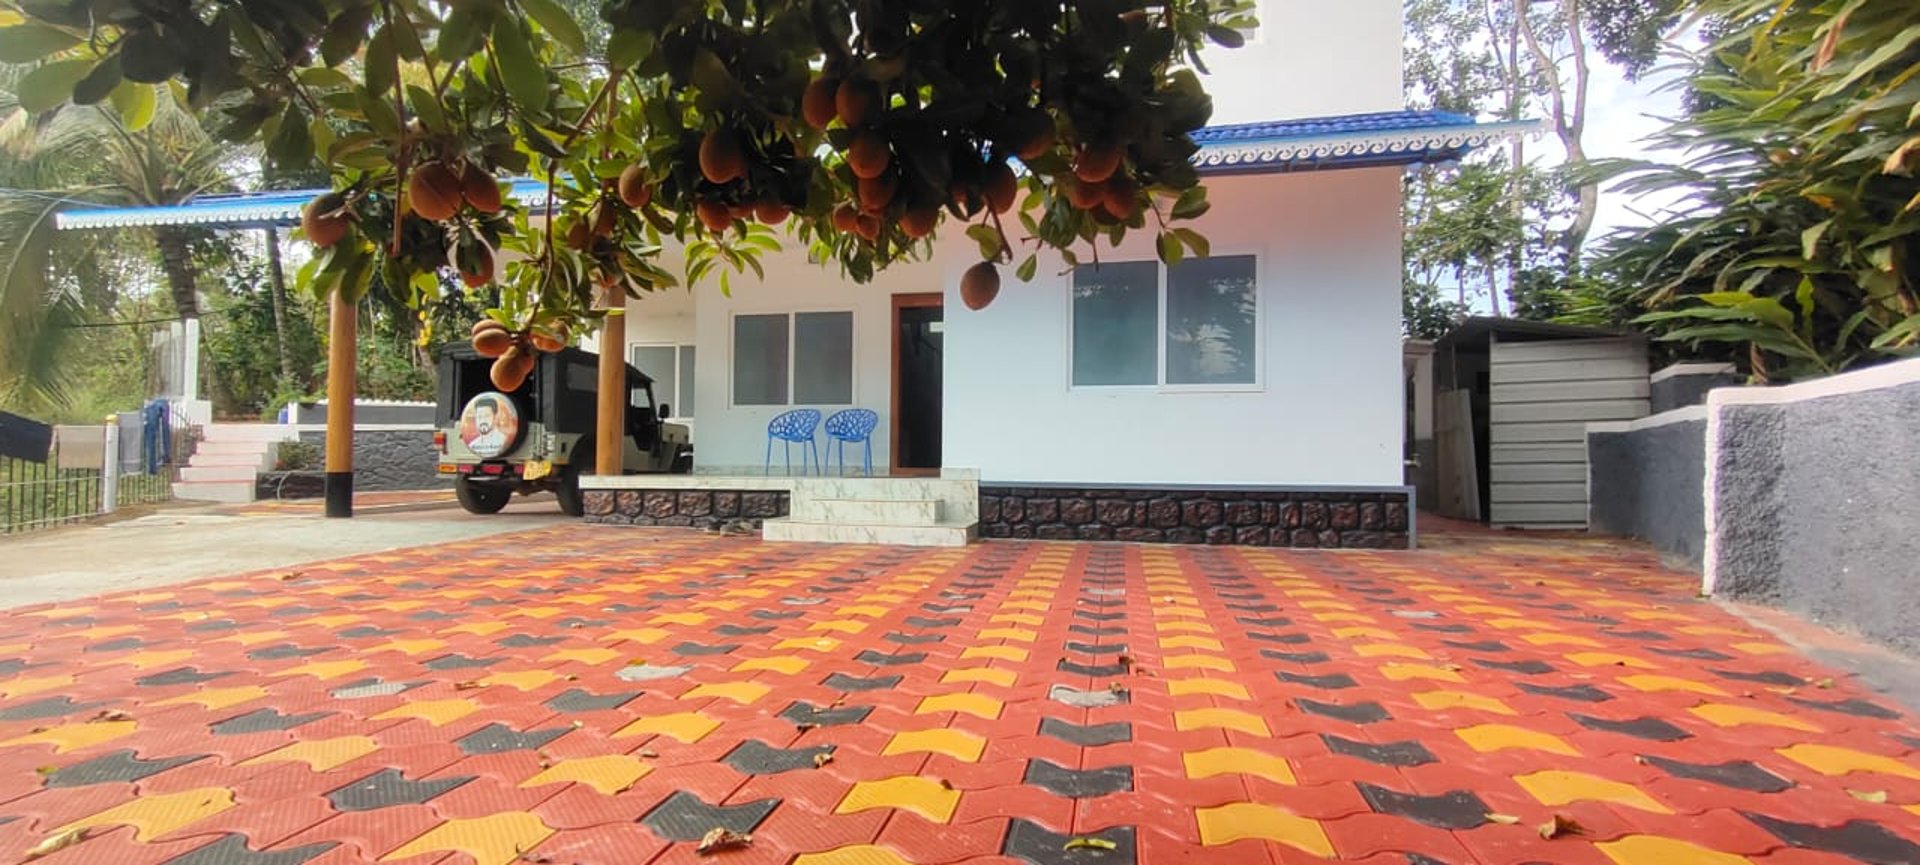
1393	138
1480	328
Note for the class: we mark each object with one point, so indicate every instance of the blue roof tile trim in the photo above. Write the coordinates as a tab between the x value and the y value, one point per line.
1308	144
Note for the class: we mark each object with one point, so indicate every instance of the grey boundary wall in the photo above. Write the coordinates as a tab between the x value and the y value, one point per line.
391	458
1373	518
1809	493
1646	479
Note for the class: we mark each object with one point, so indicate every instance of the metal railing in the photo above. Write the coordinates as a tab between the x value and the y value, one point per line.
39	495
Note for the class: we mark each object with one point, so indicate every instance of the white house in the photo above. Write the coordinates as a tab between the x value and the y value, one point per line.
1252	397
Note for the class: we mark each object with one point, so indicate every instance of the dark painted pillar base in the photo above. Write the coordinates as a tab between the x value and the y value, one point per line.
340	494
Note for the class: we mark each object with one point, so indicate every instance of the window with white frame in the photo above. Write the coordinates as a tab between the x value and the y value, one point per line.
671	368
802	358
1195	324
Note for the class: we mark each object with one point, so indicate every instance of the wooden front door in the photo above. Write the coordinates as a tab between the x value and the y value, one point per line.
917	364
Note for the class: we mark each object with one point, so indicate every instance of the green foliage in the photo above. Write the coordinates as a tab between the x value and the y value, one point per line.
242	346
297	456
1797	252
376	92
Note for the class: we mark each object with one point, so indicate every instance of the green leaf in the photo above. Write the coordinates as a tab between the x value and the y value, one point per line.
558	23
1226	37
427	108
716	85
292	143
25	43
1771	311
520	70
379	62
324	77
1169	248
1903	332
1027	268
538	141
380	114
988	239
99	82
1810	239
135	104
51	85
345	34
629	48
1194	241
462	33
1191	204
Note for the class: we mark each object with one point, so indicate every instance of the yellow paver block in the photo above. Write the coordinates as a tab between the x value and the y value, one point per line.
1730	715
539	612
590	657
1488	610
1556	639
55	614
1018	635
1034	592
815	644
688	619
1655	850
1511	624
857	854
958	744
608	774
252	638
1611	659
688	727
496	839
1714	630
23	687
1358	632
439	713
1343	617
1017	619
785	665
1242	820
148	597
1323	605
1184	627
478	629
156	815
1215	718
1238	761
1441	700
883	598
407	647
991	675
1661	616
319	754
842	626
1308	592
1025	605
324	670
1215	687
1653	683
1760	648
648	636
923	796
869	610
72	737
1402	672
107	632
1002	653
1191	641
149	660
400	606
1834	760
743	693
588	598
1499	737
525	680
1556	787
1199	662
333	621
1391	650
217	698
977	705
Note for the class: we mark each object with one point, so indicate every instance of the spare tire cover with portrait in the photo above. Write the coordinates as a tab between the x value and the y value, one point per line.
490	425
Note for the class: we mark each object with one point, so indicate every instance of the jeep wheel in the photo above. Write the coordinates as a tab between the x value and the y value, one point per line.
567	490
481	498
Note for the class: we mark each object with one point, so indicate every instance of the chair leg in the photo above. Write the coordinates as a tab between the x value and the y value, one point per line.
866	459
767	470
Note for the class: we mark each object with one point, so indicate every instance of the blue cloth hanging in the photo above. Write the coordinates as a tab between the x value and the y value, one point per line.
156	445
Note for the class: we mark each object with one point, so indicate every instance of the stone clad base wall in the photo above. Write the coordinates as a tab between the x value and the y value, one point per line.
694	508
1377	519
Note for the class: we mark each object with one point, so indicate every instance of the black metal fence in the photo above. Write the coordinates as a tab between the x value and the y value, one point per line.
36	495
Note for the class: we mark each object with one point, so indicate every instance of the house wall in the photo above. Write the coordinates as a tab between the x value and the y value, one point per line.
1329	406
1543	394
1353	45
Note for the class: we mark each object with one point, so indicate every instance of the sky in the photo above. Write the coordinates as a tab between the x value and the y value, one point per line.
1620	115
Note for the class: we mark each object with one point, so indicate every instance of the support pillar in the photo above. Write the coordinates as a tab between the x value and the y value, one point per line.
609	453
343	317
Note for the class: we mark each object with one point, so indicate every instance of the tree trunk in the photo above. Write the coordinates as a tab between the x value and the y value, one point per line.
277	287
176	259
1569	121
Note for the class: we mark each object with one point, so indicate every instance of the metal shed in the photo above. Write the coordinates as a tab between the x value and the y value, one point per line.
1512	401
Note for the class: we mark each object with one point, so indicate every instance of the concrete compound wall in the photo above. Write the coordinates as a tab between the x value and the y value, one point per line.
400	458
1808	494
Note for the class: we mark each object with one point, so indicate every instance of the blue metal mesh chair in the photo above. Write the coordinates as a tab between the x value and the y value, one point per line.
853	425
794	427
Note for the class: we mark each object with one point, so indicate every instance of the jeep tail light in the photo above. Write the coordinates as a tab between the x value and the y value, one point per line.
440	440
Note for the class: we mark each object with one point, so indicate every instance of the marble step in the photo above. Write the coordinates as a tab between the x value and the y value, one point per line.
869	512
241	432
232	492
197	471
944	534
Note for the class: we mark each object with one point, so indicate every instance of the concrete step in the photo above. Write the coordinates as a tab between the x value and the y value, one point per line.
241	472
232	492
869	512
248	446
945	534
246	432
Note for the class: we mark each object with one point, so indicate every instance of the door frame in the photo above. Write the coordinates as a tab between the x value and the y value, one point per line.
917	300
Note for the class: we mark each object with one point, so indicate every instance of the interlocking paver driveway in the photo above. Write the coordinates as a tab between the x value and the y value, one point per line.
612	696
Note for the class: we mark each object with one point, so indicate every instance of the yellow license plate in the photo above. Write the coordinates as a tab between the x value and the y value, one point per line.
537	469
449	469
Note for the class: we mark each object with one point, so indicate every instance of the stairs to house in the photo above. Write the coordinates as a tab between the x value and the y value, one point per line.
223	467
913	512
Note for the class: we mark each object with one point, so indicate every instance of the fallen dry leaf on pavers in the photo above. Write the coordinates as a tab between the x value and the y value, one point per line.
821	760
467	685
1503	819
1877	797
1560	825
648	753
1823	684
1090	844
721	838
105	715
57	842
